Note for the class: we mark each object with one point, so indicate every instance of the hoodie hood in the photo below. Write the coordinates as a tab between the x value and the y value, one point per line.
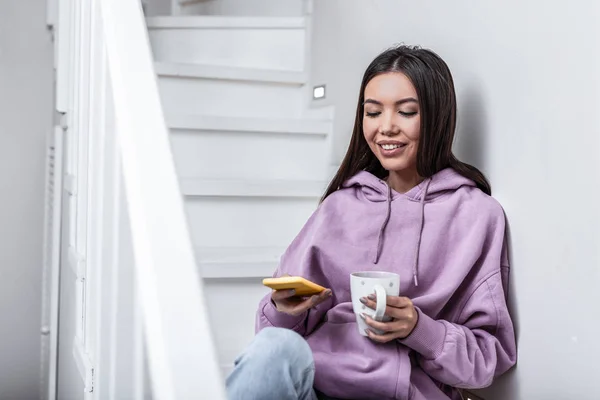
377	190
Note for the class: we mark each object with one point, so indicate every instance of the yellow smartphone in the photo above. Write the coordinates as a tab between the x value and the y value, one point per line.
303	287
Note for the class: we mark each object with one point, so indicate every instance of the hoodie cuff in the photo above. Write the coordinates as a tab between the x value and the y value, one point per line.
427	338
281	320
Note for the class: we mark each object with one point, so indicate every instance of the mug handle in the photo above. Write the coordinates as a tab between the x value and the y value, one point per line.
381	303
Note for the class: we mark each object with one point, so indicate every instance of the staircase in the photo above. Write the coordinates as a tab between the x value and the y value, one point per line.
251	156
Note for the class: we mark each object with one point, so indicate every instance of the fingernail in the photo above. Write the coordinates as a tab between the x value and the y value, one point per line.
292	292
371	297
363	316
367	331
363	300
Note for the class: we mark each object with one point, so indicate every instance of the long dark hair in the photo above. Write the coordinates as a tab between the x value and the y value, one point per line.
433	82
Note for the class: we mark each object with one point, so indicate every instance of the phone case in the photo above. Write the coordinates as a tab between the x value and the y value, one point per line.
303	287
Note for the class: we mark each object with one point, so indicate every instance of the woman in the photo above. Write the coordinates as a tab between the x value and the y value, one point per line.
400	202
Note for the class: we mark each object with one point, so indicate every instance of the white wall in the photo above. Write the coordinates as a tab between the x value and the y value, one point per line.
25	119
280	8
526	77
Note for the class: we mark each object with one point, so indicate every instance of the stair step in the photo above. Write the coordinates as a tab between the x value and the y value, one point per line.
236	271
252	42
229	73
238	262
297	126
231	305
223	22
247	221
223	155
246	188
250	99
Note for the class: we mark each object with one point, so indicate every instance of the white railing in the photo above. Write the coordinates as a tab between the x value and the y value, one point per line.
117	147
182	358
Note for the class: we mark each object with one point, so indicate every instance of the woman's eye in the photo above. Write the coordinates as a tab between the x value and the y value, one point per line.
372	114
407	114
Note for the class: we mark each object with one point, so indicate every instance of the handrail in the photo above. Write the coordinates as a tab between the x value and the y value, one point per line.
182	358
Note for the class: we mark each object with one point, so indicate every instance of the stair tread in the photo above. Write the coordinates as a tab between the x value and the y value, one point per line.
212	271
309	126
233	255
238	262
252	188
208	71
225	22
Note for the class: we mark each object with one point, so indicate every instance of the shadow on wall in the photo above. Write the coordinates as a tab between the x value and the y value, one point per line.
471	135
507	386
471	147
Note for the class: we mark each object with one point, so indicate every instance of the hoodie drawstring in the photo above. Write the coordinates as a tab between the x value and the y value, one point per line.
383	226
417	247
415	267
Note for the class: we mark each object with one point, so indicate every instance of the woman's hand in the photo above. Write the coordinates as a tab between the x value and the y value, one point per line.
287	302
404	318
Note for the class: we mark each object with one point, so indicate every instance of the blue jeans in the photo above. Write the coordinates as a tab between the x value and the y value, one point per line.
277	365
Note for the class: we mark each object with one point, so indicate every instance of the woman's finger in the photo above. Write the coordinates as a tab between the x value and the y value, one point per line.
399	302
293	305
390	311
368	302
325	294
304	305
313	301
392	301
384	338
390	326
398	313
296	305
402	327
283	294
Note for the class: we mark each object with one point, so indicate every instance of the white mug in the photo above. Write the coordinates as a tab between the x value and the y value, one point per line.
380	283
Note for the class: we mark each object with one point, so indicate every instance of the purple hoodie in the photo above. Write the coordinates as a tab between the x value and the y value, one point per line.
446	239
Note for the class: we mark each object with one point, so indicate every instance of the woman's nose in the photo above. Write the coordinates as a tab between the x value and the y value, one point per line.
387	124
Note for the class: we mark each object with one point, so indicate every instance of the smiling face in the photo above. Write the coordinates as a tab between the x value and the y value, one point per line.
392	122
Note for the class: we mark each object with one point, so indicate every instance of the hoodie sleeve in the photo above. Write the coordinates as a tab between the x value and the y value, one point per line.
481	346
302	258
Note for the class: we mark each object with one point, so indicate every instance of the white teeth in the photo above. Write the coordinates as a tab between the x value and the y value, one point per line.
390	146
